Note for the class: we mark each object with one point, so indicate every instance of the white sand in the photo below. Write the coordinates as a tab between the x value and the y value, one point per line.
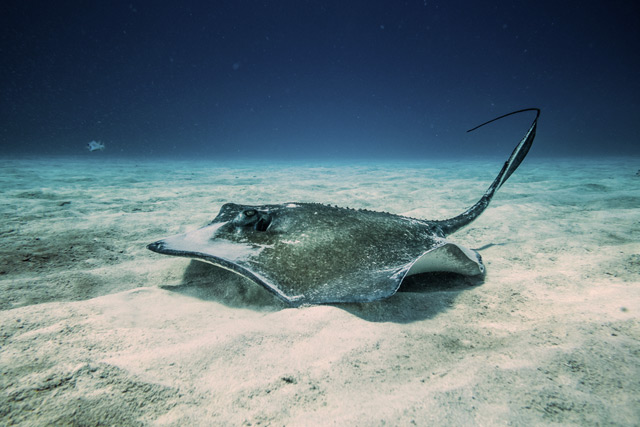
95	329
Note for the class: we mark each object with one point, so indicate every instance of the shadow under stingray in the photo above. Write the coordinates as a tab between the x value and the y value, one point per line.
211	283
420	297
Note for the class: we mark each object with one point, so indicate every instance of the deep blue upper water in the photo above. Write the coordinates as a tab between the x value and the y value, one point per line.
334	80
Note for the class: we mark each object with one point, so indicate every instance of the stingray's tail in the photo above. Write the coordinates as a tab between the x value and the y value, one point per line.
451	225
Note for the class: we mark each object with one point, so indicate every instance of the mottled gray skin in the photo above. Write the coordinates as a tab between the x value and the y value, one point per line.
312	252
307	253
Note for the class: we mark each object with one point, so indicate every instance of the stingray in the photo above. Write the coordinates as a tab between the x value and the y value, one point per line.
309	253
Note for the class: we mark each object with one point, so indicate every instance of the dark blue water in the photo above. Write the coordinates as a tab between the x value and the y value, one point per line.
334	80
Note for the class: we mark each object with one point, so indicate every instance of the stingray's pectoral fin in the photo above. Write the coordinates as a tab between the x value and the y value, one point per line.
451	258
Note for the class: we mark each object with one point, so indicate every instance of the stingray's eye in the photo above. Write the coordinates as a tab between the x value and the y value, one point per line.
258	220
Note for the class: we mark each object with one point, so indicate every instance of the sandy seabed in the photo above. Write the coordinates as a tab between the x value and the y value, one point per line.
97	330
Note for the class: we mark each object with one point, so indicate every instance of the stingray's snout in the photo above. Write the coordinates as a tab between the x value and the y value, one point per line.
156	246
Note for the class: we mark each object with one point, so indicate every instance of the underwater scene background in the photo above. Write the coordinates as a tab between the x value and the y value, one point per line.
125	122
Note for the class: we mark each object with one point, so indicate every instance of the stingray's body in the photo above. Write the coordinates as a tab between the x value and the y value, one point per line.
309	253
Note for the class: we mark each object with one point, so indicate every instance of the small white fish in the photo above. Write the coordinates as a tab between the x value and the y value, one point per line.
95	145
